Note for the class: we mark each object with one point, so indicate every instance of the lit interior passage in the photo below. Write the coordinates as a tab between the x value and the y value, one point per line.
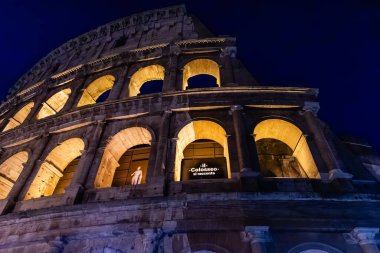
203	159
53	169
19	117
283	150
113	158
200	130
10	170
54	104
95	90
135	157
200	67
144	75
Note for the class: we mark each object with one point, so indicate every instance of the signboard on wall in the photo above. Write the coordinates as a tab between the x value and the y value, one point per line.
204	168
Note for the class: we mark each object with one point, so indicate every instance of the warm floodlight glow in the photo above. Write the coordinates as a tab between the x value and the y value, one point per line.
143	75
293	137
117	146
198	67
10	170
19	117
198	130
95	89
53	167
54	104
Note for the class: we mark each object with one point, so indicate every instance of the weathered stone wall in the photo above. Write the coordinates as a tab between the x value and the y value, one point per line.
335	212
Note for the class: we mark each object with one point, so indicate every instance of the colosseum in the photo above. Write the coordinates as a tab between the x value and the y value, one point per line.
147	134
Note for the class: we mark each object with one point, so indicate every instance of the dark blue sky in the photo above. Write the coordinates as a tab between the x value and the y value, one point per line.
328	44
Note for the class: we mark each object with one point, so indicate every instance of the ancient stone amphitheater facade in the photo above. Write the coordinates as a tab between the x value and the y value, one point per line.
113	143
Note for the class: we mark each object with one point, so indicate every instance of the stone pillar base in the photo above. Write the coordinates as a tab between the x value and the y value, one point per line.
249	180
6	205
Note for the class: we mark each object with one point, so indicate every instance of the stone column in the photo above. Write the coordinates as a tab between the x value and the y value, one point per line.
365	237
159	168
119	84
241	138
258	237
170	82
227	73
75	93
329	157
77	185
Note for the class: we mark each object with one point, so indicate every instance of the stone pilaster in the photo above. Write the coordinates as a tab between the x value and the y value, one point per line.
258	237
365	238
329	157
76	94
119	84
227	72
77	185
241	138
159	168
172	72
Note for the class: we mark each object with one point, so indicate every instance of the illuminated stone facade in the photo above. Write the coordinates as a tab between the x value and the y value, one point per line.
93	159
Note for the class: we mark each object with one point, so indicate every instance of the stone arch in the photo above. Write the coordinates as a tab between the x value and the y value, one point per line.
143	75
10	170
314	247
19	117
198	130
198	67
95	89
293	137
52	168
116	147
54	104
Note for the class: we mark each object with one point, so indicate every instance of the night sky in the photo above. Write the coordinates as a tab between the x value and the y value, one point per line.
326	44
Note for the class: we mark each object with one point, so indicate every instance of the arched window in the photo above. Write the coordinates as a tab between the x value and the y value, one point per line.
10	170
204	68
211	140
94	91
150	73
55	169
125	158
283	150
19	117
54	104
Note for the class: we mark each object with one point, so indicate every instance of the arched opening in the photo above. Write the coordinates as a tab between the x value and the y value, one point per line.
283	150
200	67
201	81
204	142
150	87
52	172
96	89
54	104
144	75
203	159
19	117
128	173
10	170
126	153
